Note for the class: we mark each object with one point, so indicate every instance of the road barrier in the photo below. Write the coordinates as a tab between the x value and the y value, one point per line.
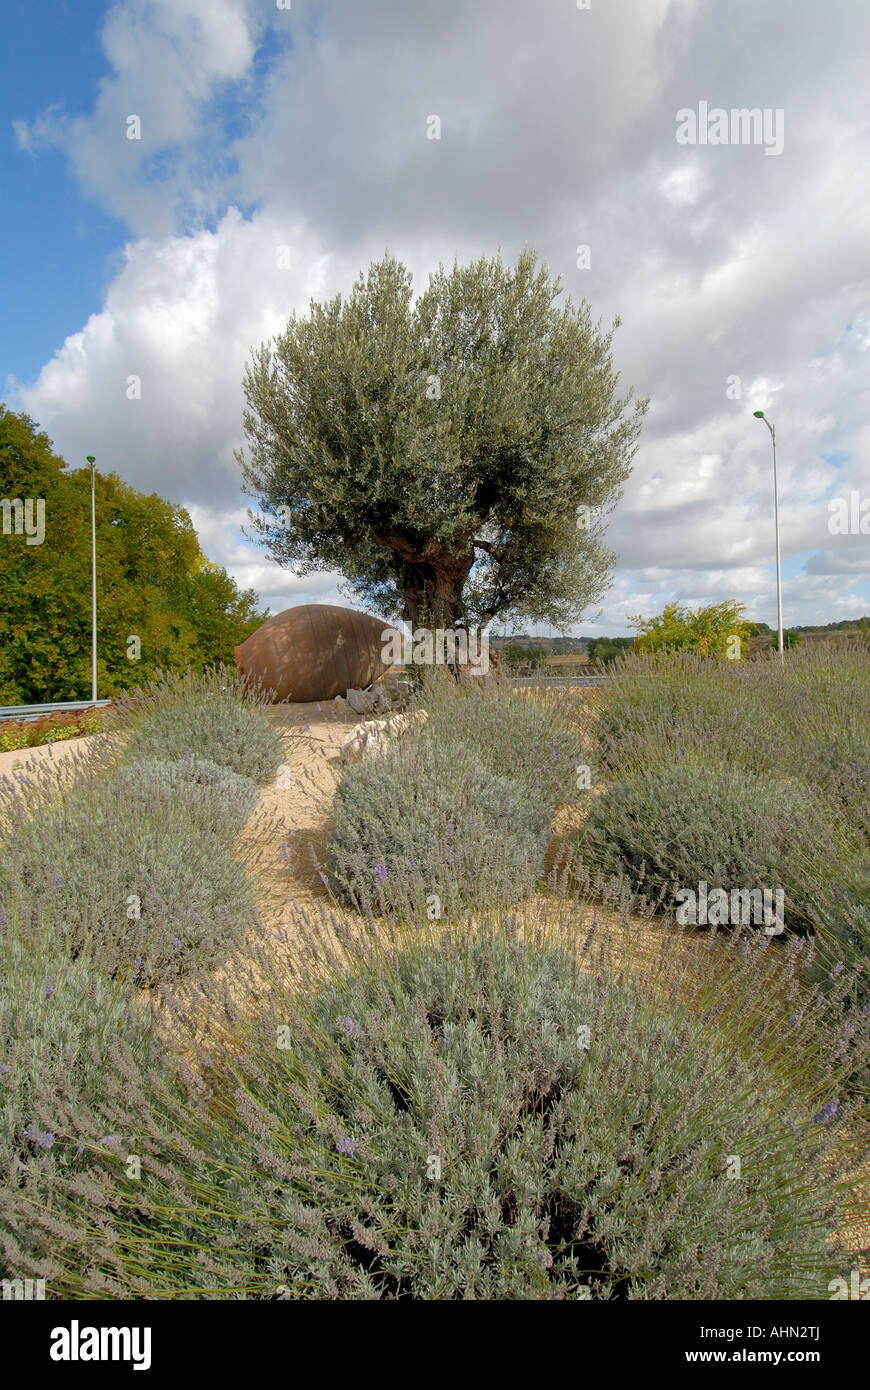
26	712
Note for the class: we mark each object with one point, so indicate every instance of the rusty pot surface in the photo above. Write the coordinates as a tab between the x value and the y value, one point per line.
314	652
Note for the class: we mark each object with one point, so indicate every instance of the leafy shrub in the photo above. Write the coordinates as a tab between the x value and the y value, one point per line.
61	1023
513	736
143	884
674	827
218	798
433	1125
211	716
52	728
710	631
423	821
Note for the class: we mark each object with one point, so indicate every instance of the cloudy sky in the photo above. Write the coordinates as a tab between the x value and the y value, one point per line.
284	146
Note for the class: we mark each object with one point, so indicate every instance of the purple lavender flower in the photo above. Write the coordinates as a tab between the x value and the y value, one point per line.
49	987
57	880
827	1112
176	940
195	915
43	1138
380	873
837	970
4	1069
346	1146
348	1027
285	853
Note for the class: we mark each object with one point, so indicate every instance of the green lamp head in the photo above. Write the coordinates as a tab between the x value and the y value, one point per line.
759	414
91	458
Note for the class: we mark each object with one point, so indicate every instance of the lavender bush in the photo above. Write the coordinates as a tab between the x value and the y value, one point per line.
795	737
484	1114
421	822
671	827
513	736
216	798
211	716
61	1025
143	881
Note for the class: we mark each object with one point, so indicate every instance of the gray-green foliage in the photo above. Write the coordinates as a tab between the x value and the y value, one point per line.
435	1124
405	488
61	1022
218	798
209	716
143	881
428	819
674	826
808	720
796	730
558	1166
513	736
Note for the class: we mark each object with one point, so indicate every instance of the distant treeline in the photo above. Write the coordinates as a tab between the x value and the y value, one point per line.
521	646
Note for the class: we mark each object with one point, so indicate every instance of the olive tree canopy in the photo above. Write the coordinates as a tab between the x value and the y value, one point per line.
454	457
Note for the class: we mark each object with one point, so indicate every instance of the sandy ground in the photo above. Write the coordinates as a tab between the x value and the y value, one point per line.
15	761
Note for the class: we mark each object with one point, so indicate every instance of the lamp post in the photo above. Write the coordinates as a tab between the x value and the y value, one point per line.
92	461
760	415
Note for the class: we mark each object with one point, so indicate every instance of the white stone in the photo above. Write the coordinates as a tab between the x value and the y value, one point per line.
372	738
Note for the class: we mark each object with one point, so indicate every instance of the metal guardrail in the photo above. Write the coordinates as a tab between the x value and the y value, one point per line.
26	712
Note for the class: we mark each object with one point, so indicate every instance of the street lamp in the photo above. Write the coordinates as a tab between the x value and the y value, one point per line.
759	415
92	461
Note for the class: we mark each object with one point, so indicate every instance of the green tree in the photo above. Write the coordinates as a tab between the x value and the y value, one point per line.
514	654
153	582
436	454
608	648
709	631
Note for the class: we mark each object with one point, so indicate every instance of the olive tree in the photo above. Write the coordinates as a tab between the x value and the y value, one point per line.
453	456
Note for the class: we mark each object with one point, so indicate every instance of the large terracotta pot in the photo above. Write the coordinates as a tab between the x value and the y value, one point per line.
314	652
